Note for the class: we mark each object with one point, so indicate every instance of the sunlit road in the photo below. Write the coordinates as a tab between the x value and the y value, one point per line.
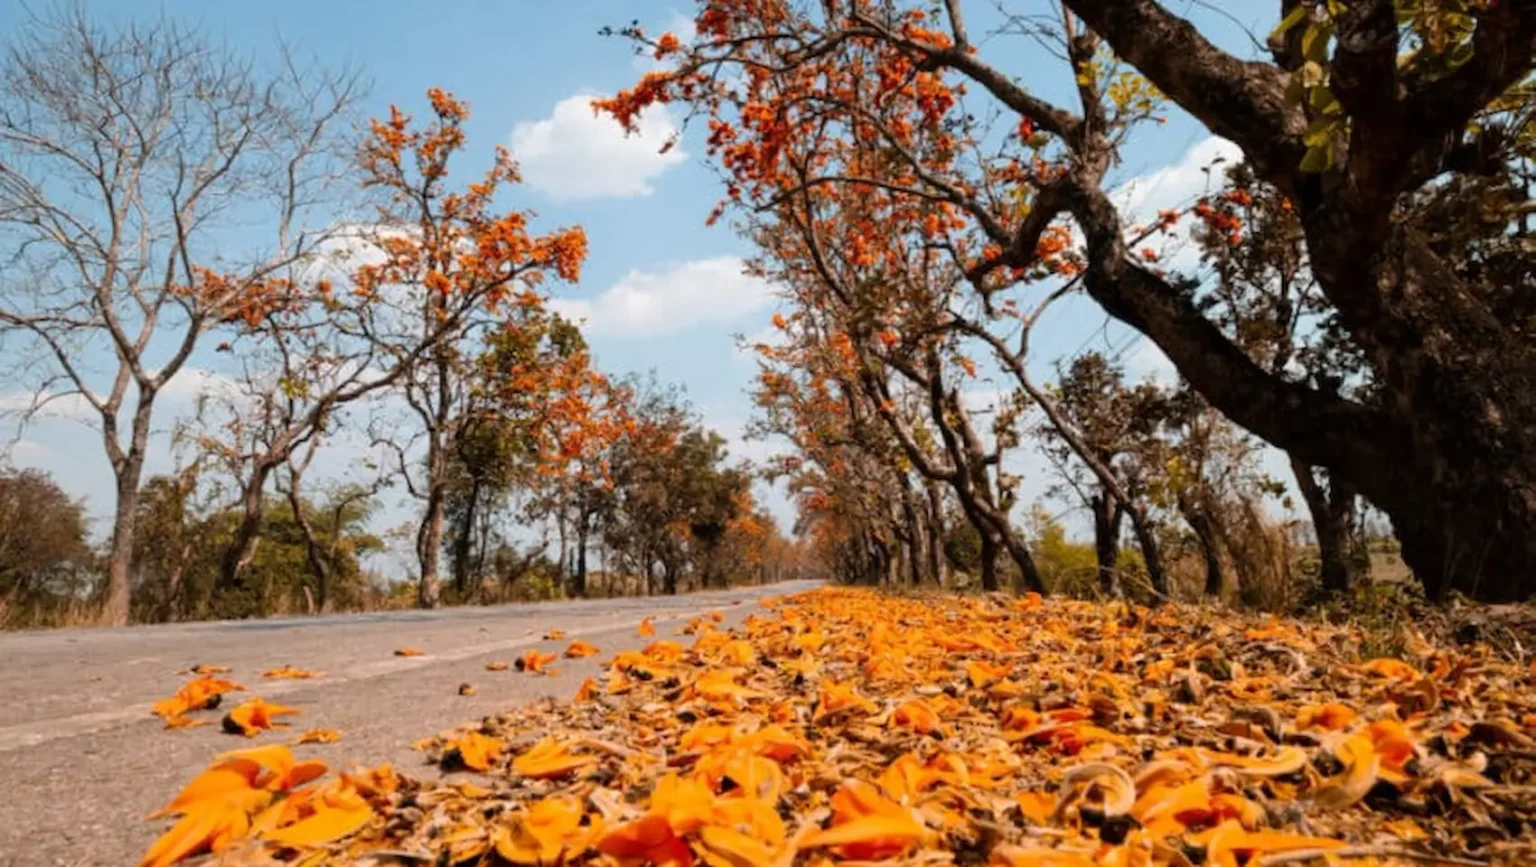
82	759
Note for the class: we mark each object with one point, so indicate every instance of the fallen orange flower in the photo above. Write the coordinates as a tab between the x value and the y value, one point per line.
533	661
579	649
647	628
867	826
319	736
550	759
554	635
201	693
547	832
251	717
409	651
475	751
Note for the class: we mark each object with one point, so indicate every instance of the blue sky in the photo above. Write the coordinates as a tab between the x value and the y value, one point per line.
660	289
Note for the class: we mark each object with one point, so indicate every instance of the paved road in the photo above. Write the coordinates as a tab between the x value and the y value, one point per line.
82	760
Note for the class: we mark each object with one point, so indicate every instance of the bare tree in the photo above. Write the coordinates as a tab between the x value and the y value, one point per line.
129	160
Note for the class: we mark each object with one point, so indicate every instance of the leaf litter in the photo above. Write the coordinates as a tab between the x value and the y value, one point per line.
849	726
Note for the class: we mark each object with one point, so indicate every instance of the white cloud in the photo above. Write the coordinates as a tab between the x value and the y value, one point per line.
576	154
71	406
1174	185
646	304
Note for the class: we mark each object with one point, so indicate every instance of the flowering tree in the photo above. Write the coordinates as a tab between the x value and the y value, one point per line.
437	267
855	95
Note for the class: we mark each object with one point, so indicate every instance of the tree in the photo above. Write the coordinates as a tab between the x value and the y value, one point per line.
538	415
1351	136
435	266
1264	295
1109	429
126	157
43	547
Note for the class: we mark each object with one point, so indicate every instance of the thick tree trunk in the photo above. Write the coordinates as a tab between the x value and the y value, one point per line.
669	579
115	605
1108	514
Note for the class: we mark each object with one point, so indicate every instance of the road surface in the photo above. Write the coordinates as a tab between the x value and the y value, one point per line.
82	760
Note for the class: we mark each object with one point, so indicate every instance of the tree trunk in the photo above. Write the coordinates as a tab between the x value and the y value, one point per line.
1108	514
242	545
463	542
669	579
114	607
938	564
1220	573
988	565
1332	513
312	551
1146	539
429	550
579	578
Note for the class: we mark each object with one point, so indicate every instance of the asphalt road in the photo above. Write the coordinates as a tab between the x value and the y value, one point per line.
82	760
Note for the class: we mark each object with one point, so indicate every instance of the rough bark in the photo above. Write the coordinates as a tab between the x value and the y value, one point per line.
1450	453
114	608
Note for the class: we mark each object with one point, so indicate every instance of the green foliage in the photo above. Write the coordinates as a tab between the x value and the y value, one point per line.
179	550
1066	566
47	568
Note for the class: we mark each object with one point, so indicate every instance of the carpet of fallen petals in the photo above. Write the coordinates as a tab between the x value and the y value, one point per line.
846	726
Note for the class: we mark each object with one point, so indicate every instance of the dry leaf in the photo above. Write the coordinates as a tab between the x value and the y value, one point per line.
409	651
467	689
498	665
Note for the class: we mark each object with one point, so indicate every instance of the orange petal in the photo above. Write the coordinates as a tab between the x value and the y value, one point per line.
579	649
326	825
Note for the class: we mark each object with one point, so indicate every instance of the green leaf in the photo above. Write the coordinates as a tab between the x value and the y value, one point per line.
1314	42
1312	74
1322	99
1296	16
1295	89
1319	158
1319	131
